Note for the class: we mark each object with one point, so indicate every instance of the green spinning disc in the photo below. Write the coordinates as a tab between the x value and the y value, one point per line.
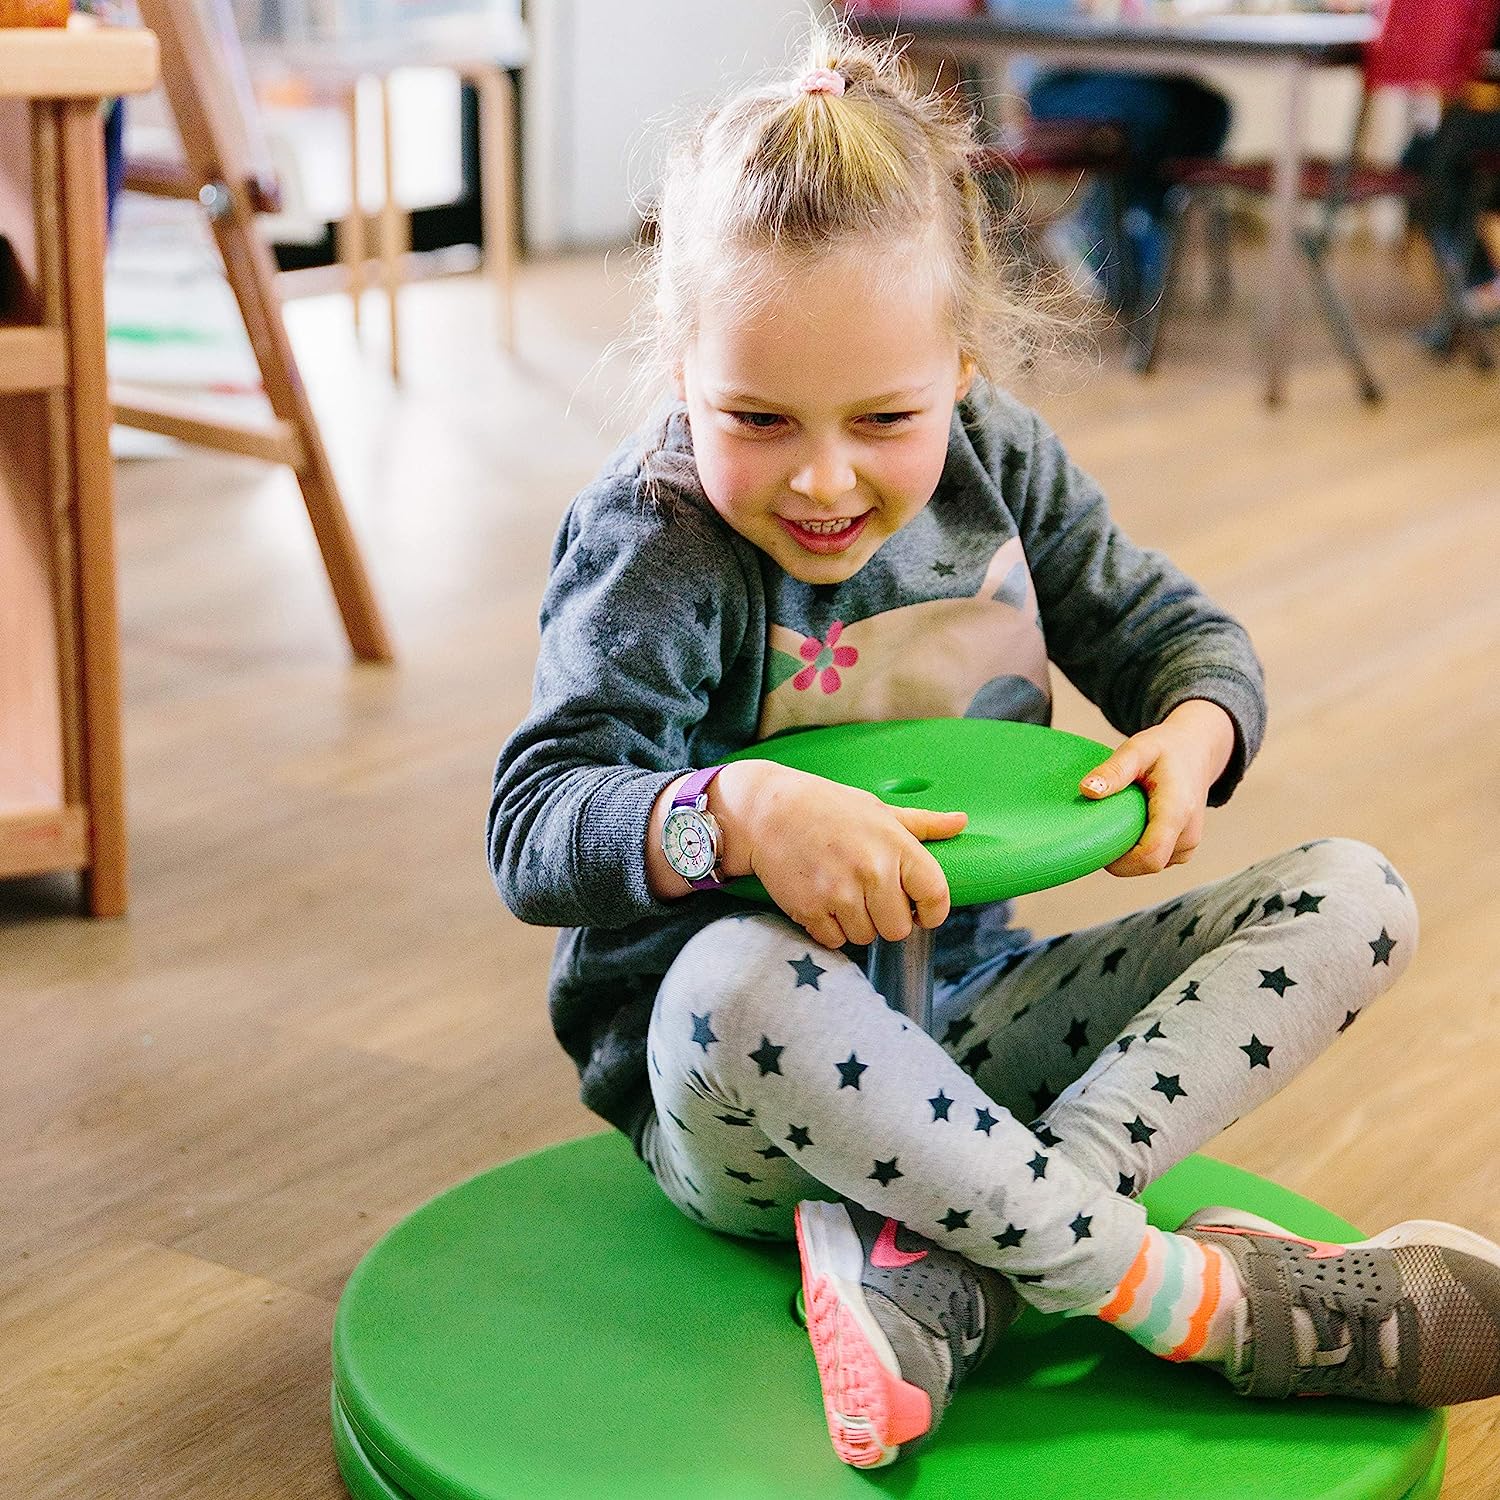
1029	828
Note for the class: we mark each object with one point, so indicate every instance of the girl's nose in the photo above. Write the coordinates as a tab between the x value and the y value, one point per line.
826	476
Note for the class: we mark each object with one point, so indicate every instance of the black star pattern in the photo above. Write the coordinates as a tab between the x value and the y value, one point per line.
703	611
767	1056
944	569
761	1203
1350	1016
985	1121
1023	1010
770	1152
1382	947
886	1172
1042	1098
1112	960
697	1212
1258	1052
1069	977
1010	1238
977	1055
1124	1043
1038	1165
956	1218
940	1103
957	1030
1306	902
1126	1188
1190	993
1080	1227
703	1033
1154	1033
1273	904
734	1120
799	1137
1188	931
849	1072
1055	942
1170	1085
679	1122
806	970
1167	912
1078	1037
691	1183
1046	1135
1276	979
1140	1132
744	1177
1392	878
655	1065
1244	916
1029	1277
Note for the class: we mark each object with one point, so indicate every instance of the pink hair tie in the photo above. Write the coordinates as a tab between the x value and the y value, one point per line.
822	81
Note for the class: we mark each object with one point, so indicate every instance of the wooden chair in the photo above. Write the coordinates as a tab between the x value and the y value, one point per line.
224	169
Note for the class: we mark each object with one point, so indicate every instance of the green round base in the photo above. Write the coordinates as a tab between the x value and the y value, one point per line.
556	1328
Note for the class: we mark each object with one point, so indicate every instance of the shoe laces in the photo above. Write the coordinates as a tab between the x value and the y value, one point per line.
1345	1333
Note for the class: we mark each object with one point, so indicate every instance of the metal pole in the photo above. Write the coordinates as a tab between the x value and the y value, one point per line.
902	972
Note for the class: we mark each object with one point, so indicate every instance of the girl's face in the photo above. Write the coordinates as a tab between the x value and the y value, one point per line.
820	423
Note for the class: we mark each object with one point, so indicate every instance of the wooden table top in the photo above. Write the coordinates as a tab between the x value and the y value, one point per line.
76	62
1324	38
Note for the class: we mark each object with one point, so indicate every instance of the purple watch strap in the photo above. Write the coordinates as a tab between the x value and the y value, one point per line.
694	787
687	796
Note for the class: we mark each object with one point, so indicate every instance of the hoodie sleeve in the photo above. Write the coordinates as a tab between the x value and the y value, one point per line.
628	656
1129	629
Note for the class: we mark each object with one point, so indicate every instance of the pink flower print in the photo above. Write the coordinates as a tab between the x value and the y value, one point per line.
823	659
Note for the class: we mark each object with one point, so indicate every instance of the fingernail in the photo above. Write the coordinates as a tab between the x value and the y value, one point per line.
1095	783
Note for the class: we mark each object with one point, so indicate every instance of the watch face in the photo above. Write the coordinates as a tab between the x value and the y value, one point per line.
688	844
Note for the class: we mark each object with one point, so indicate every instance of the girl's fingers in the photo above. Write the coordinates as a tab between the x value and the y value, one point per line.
890	911
855	920
1122	768
825	929
926	887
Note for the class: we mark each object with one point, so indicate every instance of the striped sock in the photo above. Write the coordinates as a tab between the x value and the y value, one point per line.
1177	1298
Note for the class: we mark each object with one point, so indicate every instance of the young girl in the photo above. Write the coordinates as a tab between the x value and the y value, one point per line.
841	518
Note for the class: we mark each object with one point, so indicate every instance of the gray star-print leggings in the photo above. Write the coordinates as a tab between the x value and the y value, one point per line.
1067	1077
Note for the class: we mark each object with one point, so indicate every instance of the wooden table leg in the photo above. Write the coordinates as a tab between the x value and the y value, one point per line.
352	248
495	95
1282	279
390	226
81	149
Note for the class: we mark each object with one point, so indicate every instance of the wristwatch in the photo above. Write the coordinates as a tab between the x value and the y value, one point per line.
690	836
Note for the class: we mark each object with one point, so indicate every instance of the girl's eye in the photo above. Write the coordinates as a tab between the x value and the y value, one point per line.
889	418
757	421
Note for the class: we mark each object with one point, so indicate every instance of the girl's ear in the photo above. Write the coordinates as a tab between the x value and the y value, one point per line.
679	384
966	371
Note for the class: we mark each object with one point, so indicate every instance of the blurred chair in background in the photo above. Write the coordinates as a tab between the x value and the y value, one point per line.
1422	45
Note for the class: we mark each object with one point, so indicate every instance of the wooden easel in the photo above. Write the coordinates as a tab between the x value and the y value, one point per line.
207	90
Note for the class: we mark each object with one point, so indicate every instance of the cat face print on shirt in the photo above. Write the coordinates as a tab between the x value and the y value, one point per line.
978	657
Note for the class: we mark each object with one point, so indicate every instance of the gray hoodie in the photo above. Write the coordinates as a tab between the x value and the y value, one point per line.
669	641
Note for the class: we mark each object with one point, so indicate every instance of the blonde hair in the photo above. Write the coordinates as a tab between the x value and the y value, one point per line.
782	169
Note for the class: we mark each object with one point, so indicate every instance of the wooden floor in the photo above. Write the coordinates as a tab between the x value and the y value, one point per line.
318	1013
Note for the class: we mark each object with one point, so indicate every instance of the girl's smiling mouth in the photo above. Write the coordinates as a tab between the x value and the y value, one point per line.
830	536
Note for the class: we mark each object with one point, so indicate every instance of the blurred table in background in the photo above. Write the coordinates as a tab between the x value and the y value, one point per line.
1288	45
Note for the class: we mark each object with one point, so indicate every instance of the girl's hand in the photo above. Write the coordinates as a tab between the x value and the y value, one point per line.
1177	762
838	861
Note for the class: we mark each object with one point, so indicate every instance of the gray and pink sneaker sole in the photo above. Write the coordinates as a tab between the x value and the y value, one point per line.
871	1410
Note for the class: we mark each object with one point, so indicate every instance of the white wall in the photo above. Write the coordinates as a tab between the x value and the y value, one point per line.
602	72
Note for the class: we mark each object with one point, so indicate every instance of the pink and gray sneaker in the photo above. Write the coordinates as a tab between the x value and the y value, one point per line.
895	1322
1409	1316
